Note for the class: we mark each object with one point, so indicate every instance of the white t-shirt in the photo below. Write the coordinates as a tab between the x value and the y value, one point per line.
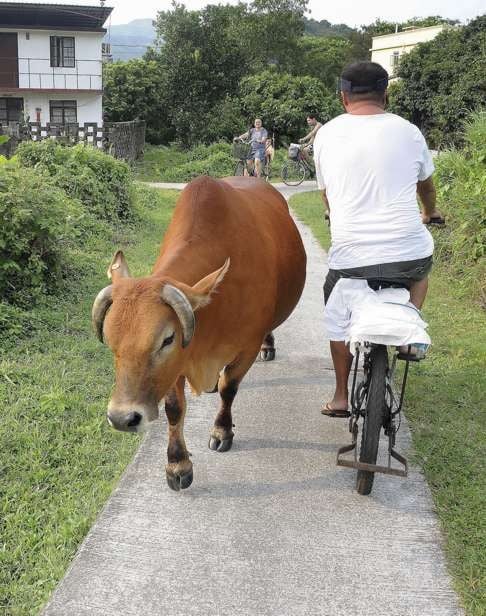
369	166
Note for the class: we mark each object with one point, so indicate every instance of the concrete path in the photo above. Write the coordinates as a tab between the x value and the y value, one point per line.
273	527
284	189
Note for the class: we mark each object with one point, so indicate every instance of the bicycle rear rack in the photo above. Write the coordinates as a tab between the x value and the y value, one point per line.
374	468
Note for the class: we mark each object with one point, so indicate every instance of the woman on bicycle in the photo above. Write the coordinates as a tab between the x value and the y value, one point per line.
257	137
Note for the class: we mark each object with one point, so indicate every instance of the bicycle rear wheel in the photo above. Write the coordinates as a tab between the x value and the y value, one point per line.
240	168
293	172
374	417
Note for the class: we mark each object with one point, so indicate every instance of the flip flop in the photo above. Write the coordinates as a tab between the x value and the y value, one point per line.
330	412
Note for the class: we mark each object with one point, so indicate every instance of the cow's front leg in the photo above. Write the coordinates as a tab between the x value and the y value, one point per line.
222	434
267	351
179	467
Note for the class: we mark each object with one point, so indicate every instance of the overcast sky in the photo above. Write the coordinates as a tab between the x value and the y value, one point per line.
351	12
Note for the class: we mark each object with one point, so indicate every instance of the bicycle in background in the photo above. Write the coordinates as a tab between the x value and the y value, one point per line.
296	169
241	152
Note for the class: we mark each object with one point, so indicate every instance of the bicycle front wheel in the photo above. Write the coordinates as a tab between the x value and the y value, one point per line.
374	417
240	168
293	172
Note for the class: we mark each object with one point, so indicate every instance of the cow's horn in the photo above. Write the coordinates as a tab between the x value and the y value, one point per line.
183	309
101	304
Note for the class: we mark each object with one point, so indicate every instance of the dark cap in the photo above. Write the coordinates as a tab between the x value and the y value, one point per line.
362	77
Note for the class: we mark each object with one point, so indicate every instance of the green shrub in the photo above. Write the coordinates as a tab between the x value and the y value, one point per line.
99	181
461	180
218	164
200	152
39	224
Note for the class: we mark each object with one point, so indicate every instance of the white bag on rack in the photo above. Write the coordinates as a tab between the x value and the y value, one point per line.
357	314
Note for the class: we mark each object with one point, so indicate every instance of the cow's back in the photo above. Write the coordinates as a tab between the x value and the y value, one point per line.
249	221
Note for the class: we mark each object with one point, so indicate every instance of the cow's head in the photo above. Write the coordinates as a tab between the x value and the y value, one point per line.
148	323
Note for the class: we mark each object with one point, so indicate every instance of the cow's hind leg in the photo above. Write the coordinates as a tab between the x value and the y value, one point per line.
221	438
267	351
179	467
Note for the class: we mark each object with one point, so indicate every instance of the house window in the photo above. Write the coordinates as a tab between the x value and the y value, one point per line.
63	112
394	61
62	51
10	109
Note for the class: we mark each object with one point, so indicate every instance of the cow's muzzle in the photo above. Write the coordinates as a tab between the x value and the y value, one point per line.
126	422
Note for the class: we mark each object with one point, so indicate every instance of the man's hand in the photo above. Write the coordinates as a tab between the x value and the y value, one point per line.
434	215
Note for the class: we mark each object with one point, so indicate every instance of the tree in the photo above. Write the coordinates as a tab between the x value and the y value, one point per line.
135	89
276	27
283	101
443	80
323	58
203	57
205	54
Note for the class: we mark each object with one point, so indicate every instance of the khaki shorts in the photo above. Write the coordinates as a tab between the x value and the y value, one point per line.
400	274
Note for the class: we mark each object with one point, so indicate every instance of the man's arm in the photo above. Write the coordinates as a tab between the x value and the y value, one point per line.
327	211
310	135
427	195
306	138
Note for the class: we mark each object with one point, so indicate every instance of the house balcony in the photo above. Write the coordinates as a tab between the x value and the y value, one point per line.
37	75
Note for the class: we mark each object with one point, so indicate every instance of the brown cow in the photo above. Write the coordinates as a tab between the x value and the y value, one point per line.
231	268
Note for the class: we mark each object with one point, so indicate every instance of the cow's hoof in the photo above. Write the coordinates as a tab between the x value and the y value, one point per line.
267	354
178	482
217	445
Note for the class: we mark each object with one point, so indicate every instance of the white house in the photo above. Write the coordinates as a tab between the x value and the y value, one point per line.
387	49
51	62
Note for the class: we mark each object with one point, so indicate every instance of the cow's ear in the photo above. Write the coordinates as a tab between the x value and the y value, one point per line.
201	292
118	267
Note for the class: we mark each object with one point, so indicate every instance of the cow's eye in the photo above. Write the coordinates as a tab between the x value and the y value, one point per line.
167	341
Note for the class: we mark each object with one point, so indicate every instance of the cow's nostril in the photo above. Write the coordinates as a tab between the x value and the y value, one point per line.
133	419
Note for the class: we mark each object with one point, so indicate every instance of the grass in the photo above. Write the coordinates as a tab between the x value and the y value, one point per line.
157	160
59	459
173	164
445	406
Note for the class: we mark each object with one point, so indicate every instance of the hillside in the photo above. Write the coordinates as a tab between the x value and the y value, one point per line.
130	40
326	28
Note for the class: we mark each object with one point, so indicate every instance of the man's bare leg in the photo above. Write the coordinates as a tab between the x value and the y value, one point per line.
418	291
342	360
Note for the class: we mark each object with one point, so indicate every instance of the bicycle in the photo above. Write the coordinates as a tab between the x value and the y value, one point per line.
296	168
377	400
241	152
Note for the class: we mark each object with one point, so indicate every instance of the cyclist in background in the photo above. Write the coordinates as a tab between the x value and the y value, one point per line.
258	137
308	140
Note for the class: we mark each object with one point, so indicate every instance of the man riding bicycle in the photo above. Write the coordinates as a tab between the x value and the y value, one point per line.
257	137
370	166
308	140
